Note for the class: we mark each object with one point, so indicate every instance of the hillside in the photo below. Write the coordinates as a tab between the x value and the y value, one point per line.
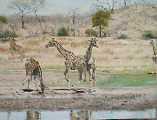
133	21
113	55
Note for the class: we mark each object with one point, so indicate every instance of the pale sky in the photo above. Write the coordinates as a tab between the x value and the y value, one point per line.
59	6
53	6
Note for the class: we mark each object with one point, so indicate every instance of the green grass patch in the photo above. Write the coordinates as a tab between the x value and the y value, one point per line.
126	80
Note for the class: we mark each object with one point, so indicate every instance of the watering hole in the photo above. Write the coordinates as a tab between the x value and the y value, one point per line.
78	115
121	91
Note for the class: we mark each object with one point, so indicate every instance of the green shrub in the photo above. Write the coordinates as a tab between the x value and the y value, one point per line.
101	19
123	36
3	19
91	33
62	32
149	35
6	35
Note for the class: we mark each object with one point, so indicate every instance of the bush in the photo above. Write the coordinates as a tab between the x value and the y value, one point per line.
101	19
123	36
6	35
149	35
62	32
3	19
91	33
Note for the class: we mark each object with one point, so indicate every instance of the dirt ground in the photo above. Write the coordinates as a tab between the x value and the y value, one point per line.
59	96
82	95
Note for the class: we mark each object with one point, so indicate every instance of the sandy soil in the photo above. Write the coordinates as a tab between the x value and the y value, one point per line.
82	96
112	56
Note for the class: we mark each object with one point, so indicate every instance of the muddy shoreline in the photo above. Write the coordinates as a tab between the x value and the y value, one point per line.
59	97
126	101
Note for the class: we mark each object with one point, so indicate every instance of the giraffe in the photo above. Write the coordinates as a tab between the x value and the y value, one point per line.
154	45
153	42
90	62
33	69
14	48
72	62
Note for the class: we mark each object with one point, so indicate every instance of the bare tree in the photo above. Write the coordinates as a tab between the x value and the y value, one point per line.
113	5
125	3
25	7
37	4
74	19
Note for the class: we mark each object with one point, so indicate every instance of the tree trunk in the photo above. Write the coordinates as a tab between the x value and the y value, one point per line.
100	31
125	3
113	4
22	21
39	20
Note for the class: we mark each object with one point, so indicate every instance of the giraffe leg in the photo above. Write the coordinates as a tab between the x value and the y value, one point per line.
29	80
89	74
35	81
93	76
28	83
80	74
65	74
93	73
84	71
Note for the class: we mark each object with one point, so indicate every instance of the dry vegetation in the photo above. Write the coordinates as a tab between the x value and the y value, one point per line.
112	55
134	20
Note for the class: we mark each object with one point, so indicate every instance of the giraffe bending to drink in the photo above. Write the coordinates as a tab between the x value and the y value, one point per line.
72	62
33	69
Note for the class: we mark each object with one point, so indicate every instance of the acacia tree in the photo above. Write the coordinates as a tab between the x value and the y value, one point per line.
36	5
100	19
74	20
25	7
3	19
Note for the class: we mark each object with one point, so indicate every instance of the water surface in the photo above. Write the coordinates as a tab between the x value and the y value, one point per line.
78	115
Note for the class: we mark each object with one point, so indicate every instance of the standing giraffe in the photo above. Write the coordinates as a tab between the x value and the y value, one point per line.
90	62
154	45
16	49
72	62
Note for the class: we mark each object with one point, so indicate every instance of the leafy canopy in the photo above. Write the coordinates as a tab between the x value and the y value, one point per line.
3	19
101	18
62	32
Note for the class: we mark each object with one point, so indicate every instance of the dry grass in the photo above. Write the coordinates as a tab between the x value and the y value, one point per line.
133	21
112	54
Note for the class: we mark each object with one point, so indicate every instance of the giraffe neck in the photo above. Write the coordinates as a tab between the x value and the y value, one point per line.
62	50
88	53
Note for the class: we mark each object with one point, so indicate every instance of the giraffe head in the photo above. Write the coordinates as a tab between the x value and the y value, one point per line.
51	43
93	42
153	41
